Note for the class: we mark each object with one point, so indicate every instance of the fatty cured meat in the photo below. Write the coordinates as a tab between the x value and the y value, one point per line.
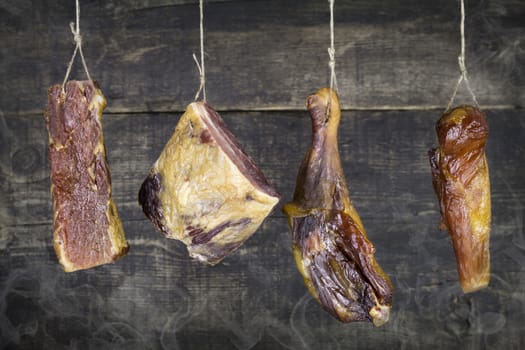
87	229
460	177
330	246
204	190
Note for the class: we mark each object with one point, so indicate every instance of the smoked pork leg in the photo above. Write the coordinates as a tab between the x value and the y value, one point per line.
331	249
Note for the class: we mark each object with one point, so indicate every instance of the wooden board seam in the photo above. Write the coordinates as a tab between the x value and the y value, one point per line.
278	109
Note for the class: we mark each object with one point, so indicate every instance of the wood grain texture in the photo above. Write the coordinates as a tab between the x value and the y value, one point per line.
156	297
265	54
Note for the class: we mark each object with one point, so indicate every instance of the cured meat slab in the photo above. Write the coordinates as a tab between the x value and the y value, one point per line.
87	228
460	177
331	249
204	190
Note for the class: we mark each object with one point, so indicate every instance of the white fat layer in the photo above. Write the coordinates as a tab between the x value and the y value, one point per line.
202	188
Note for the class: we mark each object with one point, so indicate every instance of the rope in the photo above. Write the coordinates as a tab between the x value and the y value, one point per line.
331	61
200	66
461	63
75	29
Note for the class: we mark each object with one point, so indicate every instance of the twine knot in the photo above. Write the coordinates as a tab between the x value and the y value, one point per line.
461	62
462	66
76	34
202	79
75	29
200	65
331	61
331	54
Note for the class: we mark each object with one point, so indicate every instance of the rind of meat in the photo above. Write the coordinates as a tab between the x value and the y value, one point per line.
204	190
460	177
331	249
87	229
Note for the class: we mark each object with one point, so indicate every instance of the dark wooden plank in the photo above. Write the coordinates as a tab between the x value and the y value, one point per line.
264	54
382	152
156	297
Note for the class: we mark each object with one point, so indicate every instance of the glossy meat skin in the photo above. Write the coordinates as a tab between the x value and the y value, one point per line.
87	228
460	177
204	190
331	249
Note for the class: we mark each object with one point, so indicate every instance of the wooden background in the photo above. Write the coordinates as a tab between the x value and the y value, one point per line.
396	68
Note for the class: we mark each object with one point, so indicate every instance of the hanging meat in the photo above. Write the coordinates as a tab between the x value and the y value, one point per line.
460	177
87	229
204	190
331	249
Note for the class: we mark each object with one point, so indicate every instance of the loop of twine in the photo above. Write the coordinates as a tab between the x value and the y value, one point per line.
75	30
331	64
461	62
331	61
201	79
200	66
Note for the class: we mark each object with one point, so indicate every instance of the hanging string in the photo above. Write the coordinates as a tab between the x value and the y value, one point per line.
200	66
75	29
331	55
461	62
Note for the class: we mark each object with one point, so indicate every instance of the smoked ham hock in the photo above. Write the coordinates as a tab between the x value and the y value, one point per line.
460	177
87	229
331	249
204	190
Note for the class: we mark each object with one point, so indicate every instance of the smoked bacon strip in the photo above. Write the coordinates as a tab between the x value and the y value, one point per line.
87	229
